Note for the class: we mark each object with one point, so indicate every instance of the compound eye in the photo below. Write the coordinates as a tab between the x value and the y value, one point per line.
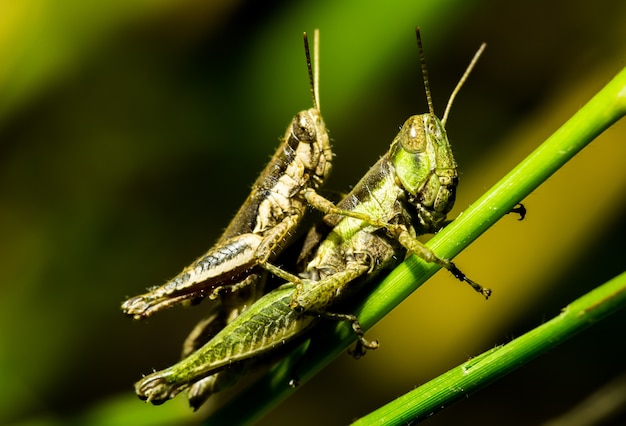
303	128
415	136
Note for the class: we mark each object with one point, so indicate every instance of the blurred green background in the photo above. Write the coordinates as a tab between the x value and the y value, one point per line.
130	131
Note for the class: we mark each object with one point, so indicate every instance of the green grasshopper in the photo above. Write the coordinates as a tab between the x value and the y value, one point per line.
407	193
261	229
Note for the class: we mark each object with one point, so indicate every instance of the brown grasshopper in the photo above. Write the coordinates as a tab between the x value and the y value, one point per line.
264	225
407	193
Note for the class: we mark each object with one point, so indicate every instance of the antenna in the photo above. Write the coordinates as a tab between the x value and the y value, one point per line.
469	69
314	72
429	99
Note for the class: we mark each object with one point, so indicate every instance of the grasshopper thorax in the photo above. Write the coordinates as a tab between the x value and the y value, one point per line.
309	140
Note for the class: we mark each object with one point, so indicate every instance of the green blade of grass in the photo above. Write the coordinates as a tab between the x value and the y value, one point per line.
604	109
457	383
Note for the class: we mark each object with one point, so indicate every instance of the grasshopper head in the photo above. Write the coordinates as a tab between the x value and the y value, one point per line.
425	167
313	144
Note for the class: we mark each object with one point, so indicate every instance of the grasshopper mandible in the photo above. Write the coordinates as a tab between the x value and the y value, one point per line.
262	227
407	193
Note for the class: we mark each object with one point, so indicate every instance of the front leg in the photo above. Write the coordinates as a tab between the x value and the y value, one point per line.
275	238
327	207
362	344
420	250
315	297
401	234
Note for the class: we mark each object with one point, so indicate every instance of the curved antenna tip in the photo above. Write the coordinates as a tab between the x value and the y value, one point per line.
466	74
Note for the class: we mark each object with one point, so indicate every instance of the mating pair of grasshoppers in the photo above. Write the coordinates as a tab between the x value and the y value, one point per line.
407	193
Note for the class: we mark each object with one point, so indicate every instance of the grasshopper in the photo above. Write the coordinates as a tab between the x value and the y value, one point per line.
262	227
407	193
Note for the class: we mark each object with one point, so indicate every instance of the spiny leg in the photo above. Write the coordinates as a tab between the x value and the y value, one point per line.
246	282
199	392
327	207
362	343
319	293
423	252
402	235
281	273
290	278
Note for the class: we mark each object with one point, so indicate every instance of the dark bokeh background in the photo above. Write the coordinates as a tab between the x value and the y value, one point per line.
130	132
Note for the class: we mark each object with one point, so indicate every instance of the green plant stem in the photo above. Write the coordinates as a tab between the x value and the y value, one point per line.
604	109
457	383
